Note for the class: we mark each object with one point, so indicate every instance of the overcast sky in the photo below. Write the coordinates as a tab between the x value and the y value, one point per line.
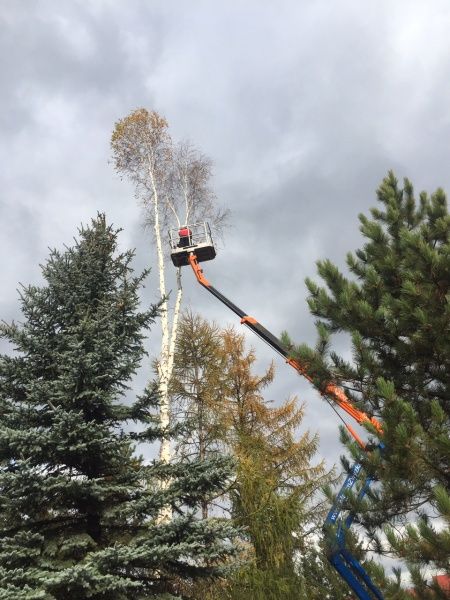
303	106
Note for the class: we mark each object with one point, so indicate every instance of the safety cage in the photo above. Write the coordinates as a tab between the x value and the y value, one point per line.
195	238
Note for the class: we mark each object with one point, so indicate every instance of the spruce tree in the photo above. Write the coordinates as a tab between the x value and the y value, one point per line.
395	305
78	506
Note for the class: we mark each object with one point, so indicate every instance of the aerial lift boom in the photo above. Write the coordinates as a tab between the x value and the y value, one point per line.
331	390
196	246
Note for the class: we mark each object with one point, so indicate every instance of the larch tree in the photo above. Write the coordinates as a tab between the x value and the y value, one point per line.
197	388
396	307
173	181
275	495
78	506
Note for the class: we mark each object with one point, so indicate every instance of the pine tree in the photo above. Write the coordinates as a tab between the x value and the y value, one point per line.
78	506
395	305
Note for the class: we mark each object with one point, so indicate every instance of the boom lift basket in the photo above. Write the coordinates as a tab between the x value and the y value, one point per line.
191	238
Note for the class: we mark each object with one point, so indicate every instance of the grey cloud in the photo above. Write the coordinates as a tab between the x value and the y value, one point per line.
303	107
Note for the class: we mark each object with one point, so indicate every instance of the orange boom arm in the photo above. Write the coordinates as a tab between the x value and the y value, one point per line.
331	391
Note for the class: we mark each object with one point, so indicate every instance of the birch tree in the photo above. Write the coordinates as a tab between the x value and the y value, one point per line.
173	182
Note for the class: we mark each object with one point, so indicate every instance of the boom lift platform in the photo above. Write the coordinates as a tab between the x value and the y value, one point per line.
193	244
191	239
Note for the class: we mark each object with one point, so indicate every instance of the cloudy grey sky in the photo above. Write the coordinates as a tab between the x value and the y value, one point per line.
303	106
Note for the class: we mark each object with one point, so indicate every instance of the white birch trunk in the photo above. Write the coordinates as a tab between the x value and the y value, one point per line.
176	314
168	340
164	357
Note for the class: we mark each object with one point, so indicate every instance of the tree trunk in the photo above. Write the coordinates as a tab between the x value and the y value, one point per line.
168	340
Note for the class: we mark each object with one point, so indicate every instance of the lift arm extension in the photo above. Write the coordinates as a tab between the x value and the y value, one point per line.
331	390
344	563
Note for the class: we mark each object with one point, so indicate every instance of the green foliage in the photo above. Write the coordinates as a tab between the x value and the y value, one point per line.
273	500
78	506
396	308
423	542
197	385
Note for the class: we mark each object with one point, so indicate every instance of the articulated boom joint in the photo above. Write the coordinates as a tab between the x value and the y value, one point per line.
247	319
198	270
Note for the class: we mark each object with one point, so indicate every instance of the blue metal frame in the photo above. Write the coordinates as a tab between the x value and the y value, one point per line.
342	560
